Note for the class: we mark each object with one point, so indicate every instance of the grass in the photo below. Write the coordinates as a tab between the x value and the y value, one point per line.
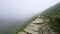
25	25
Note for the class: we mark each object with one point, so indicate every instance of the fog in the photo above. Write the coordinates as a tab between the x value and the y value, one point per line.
16	12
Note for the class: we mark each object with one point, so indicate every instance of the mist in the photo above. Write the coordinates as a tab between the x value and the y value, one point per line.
17	12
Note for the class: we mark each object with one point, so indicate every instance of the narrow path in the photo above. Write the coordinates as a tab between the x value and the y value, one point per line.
38	26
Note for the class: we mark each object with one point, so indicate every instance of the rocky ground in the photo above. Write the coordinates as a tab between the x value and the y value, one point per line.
38	26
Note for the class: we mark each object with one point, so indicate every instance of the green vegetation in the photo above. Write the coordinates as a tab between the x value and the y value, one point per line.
25	25
54	16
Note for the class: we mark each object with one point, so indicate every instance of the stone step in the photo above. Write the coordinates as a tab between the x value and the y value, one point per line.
38	26
38	21
30	31
34	28
22	32
34	25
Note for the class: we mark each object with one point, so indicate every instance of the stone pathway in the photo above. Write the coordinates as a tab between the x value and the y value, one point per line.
38	26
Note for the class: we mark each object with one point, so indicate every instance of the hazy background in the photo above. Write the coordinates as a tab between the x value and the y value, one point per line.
14	12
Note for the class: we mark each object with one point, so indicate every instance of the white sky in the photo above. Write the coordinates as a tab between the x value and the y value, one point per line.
23	8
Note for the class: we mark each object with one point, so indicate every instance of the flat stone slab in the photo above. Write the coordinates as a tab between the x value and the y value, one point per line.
38	21
35	33
22	33
45	32
34	28
38	26
30	31
34	25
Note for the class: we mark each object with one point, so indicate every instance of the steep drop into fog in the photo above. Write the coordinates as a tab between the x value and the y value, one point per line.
16	12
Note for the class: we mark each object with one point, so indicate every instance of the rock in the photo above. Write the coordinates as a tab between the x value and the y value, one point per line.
34	28
38	21
34	25
35	33
22	33
30	31
45	32
38	26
